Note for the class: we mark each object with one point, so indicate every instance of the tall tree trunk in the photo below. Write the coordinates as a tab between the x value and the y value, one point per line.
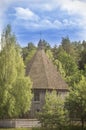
82	121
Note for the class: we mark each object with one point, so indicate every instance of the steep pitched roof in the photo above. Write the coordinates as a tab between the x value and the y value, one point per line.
43	73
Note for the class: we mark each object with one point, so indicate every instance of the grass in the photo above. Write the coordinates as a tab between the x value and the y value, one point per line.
70	128
20	129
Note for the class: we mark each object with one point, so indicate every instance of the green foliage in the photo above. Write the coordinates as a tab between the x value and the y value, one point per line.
69	67
76	101
68	63
66	45
71	48
28	52
46	45
58	64
54	114
55	52
29	56
75	78
41	128
84	71
49	55
82	61
22	95
15	88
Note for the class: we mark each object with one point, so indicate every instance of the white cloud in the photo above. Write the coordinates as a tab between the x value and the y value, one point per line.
26	14
69	23
29	11
32	20
41	5
42	25
35	21
69	7
74	7
48	24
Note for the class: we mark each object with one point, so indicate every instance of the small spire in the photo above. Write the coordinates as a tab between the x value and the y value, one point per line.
40	44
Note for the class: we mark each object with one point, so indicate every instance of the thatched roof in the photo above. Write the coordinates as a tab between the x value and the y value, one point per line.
43	73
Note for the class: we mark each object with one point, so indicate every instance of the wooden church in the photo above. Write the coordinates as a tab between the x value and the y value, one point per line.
45	77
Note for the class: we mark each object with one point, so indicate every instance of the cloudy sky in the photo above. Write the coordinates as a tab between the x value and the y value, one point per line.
46	19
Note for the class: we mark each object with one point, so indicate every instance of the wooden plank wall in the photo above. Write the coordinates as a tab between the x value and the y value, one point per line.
18	123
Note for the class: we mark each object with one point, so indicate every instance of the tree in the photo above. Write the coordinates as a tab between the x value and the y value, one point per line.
58	64
66	44
15	87
84	44
29	56
53	114
82	61
46	45
84	71
80	53
31	46
24	53
68	63
28	52
76	101
69	66
49	55
71	48
55	51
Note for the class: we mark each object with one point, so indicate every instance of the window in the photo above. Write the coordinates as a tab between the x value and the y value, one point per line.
36	96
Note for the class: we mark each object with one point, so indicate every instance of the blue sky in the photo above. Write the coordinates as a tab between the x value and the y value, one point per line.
53	18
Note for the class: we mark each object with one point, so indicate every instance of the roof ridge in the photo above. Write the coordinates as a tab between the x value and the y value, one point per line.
49	62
